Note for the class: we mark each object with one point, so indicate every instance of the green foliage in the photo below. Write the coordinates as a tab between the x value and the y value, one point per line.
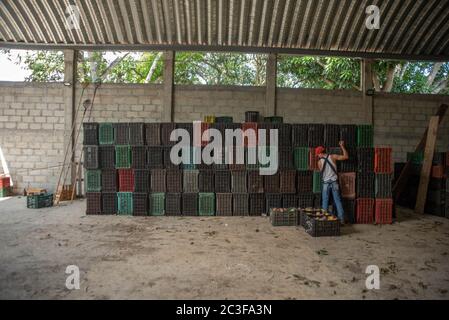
220	69
318	72
237	69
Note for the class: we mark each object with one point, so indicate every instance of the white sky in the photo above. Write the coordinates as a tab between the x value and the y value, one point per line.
9	71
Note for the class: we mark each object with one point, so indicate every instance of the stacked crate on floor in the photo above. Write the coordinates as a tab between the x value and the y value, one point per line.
383	168
5	186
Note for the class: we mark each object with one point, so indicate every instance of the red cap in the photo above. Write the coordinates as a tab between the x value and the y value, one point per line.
319	150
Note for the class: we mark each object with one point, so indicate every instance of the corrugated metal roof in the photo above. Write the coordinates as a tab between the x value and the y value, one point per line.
409	29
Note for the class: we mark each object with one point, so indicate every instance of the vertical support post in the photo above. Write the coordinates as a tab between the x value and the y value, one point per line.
367	84
271	78
169	75
427	165
70	67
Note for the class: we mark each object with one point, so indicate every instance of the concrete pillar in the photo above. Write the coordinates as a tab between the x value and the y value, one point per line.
367	85
169	75
271	77
70	67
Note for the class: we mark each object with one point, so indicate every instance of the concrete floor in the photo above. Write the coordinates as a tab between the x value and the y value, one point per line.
214	258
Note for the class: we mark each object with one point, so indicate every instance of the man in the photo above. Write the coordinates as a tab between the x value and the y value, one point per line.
327	164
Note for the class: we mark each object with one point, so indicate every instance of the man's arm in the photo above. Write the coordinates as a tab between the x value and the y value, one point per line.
345	155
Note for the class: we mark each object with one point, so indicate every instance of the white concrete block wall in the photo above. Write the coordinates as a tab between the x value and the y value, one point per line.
32	116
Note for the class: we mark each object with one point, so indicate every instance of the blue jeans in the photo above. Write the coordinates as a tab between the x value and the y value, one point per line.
335	188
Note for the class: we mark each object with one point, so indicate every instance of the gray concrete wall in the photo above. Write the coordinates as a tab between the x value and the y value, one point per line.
32	116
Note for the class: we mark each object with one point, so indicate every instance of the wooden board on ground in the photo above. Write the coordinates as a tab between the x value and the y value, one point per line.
34	191
427	164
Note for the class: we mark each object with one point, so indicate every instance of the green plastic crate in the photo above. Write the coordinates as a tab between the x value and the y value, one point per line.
317	182
40	201
365	136
157	204
5	192
125	203
415	157
274	119
206	204
106	134
224	119
301	158
93	180
122	156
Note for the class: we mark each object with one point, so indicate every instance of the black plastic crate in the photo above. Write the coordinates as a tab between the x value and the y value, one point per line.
285	134
109	180
365	159
140	204
365	185
190	204
222	181
300	135
349	209
174	180
318	200
220	157
90	132
166	130
252	116
37	201
138	157
141	180
239	181
304	182
331	135
273	200
153	134
383	186
121	133
93	203
287	181
155	158
157	180
107	157
321	228
256	204
306	200
348	134
109	203
272	183
136	134
255	182
240	204
289	201
168	164
351	164
173	204
223	205
316	135
189	128
91	160
206	181
285	158
282	217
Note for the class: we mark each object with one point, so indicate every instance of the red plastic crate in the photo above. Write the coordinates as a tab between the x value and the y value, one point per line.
382	160
126	180
347	184
250	126
313	160
365	210
438	172
384	211
5	182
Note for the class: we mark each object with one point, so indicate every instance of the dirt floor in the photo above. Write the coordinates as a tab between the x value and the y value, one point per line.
214	258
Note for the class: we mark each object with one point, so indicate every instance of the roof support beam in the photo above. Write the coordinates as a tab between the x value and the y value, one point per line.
366	85
70	67
169	75
270	94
